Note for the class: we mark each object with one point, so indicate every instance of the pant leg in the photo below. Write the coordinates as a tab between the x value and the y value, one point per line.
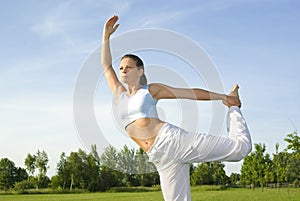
195	147
175	182
174	176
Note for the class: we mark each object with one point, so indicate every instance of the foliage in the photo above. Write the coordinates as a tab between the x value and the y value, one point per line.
30	164
41	163
259	169
38	161
293	141
234	179
10	174
209	173
23	185
80	170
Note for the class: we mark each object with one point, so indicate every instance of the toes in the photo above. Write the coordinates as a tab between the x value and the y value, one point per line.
234	91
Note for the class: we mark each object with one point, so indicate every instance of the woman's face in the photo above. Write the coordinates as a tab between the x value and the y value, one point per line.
129	73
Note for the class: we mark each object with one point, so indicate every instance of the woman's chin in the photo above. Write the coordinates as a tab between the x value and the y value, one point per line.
123	79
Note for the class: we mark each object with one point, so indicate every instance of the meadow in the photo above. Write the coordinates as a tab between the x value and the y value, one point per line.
198	194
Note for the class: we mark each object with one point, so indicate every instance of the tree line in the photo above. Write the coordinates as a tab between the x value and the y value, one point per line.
130	167
260	168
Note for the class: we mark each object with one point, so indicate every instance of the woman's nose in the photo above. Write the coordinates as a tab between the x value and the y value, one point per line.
125	70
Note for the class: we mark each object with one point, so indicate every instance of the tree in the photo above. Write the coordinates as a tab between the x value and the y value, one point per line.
293	166
41	162
30	164
93	165
147	174
109	176
248	177
23	185
269	174
10	174
63	174
128	167
219	175
293	169
74	165
109	158
20	174
293	141
209	173
280	160
7	169
127	164
256	166
94	154
234	178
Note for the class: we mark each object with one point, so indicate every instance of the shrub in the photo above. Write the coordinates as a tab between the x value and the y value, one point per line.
23	185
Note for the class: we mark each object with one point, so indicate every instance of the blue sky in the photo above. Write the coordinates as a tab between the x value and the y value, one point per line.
44	44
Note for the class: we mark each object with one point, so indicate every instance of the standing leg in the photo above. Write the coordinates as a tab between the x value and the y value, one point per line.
175	182
174	175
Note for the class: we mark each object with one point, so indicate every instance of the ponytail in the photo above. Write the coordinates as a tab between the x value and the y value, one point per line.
143	80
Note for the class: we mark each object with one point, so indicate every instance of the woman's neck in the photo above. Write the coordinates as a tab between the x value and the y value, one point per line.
132	89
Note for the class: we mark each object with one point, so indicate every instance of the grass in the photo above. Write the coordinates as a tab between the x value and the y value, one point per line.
198	194
247	194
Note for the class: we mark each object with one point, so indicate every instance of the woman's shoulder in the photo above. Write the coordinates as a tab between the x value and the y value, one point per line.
155	88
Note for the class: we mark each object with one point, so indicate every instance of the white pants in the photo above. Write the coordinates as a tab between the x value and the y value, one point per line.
175	149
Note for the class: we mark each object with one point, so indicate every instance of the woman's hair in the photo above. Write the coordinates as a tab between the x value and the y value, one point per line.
140	65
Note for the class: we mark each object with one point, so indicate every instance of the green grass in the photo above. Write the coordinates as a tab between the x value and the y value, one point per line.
247	194
198	194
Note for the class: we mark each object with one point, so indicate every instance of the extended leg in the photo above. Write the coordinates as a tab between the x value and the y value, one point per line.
195	147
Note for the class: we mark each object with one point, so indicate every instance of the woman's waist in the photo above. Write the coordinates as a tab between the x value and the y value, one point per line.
144	125
144	131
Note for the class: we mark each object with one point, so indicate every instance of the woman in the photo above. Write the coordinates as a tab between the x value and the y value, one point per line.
170	148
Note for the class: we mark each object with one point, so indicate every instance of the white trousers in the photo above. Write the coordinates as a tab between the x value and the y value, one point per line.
175	149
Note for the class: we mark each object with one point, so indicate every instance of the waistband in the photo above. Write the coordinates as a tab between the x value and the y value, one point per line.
163	130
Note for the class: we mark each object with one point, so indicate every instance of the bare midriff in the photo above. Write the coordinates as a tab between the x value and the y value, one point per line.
144	131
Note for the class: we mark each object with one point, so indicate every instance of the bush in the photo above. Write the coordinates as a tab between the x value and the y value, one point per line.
23	185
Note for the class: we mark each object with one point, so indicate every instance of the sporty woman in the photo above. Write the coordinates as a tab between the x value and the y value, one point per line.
170	148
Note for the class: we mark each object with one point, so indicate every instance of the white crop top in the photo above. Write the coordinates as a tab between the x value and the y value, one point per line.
140	105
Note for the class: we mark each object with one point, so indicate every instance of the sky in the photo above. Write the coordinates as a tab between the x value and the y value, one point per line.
45	44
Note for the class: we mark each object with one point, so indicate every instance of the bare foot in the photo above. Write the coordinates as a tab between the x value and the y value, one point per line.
233	97
234	91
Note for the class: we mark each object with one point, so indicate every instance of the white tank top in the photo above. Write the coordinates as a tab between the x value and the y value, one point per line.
140	105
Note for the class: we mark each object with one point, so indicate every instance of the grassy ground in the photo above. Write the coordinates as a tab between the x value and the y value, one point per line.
198	194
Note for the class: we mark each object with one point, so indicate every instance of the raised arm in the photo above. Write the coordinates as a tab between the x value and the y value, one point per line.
110	27
160	91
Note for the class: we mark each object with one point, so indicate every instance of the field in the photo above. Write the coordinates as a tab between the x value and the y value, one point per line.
198	194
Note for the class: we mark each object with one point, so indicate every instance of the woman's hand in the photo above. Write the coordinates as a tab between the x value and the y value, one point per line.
232	101
110	26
